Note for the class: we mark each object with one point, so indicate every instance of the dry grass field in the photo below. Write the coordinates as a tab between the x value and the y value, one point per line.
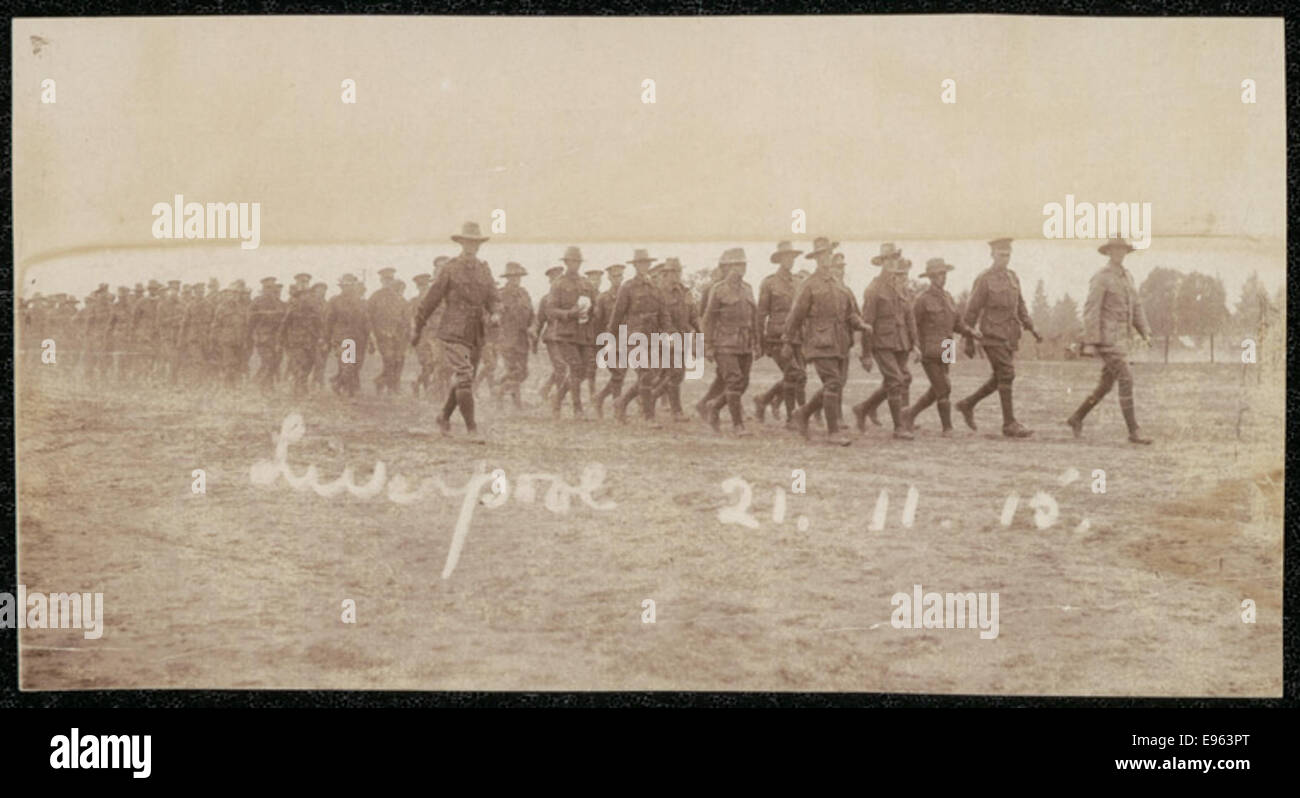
242	587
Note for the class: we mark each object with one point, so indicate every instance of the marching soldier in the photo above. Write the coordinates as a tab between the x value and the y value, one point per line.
541	332
1111	314
516	318
683	319
731	332
465	284
99	322
171	313
888	312
387	316
775	296
591	330
936	321
119	332
600	320
568	310
887	259
315	296
194	331
266	318
641	308
228	332
716	387
825	339
997	304
299	336
347	327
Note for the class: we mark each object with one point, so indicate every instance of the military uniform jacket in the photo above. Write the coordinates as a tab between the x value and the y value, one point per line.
347	318
170	315
387	313
267	313
1113	309
198	318
822	317
229	321
888	311
997	304
466	288
144	323
731	319
516	318
562	309
604	309
775	296
683	317
300	327
640	306
936	321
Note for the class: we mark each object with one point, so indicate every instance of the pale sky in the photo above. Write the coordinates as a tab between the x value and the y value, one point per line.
754	117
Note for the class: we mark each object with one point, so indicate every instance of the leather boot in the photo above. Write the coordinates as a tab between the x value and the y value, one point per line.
465	400
800	417
871	404
714	412
737	414
831	407
967	406
576	389
1075	421
675	402
945	416
1130	418
896	415
448	407
1010	427
915	410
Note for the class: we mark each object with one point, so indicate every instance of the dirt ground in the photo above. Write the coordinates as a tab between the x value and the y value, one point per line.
243	587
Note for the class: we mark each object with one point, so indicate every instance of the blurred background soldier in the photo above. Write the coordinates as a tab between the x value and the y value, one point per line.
731	324
119	333
348	330
423	348
144	330
228	332
684	320
245	296
1111	314
465	284
300	333
827	338
516	319
888	312
387	316
997	304
194	331
640	306
936	322
99	344
775	295
600	320
170	315
267	314
315	298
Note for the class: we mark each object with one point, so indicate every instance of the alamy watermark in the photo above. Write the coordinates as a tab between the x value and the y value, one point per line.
53	611
1100	220
654	351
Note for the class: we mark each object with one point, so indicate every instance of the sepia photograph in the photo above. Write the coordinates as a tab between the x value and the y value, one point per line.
906	354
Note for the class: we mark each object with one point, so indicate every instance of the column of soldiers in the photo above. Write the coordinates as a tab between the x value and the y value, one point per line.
460	323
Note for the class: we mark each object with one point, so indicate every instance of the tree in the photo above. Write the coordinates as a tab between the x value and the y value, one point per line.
1252	307
1200	307
1159	293
1066	323
1041	313
696	280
